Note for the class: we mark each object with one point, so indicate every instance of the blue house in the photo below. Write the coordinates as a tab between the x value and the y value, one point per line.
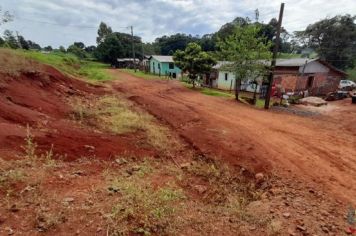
164	65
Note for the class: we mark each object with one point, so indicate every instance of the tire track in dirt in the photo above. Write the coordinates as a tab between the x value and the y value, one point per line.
316	150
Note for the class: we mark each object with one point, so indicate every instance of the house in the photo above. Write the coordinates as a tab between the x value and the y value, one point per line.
164	65
225	80
126	62
313	75
293	75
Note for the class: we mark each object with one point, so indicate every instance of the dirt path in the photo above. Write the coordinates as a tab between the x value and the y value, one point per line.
317	150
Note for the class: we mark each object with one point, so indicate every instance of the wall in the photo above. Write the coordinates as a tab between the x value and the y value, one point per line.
226	84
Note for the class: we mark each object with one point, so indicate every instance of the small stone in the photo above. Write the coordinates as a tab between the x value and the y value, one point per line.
259	177
301	228
121	161
200	188
78	232
68	199
286	215
9	231
325	229
291	232
99	230
185	166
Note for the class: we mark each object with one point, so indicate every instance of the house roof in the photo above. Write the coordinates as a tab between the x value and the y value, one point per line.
294	62
162	58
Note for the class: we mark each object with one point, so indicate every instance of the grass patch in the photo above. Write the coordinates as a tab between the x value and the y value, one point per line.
17	61
141	208
209	91
143	75
119	116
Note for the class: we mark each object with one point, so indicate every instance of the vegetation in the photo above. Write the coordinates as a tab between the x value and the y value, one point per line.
71	65
118	116
143	75
194	61
333	39
246	52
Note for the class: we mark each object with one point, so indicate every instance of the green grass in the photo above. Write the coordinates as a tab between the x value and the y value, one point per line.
142	74
71	65
209	91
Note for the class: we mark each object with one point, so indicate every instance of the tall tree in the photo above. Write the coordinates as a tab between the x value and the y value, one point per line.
110	49
169	44
246	52
103	31
334	39
194	61
24	43
10	40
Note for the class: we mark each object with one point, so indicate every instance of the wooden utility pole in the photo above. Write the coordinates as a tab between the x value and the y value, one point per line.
133	49
274	57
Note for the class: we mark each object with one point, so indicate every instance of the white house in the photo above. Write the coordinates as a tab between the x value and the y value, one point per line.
225	80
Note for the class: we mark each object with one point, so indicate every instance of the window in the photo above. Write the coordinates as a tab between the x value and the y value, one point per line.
226	76
171	65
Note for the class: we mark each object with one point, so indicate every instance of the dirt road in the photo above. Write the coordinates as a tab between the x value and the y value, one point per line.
316	150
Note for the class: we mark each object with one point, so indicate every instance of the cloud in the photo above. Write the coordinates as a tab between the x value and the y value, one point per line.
61	22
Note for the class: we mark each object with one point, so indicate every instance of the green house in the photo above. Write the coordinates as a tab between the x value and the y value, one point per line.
164	65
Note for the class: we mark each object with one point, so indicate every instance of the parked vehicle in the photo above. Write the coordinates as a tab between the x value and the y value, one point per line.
347	85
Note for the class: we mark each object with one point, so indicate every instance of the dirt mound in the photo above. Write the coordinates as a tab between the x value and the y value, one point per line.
39	99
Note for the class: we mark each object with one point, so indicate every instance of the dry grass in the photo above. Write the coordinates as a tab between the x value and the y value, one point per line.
14	64
119	116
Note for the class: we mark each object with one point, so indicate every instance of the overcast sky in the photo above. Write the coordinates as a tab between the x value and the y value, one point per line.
61	22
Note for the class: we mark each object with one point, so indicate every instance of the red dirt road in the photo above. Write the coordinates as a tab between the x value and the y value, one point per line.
316	150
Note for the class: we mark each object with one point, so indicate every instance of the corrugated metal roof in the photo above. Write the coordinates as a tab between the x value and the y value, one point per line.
163	58
295	62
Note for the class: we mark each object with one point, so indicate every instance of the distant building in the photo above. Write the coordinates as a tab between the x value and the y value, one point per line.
126	62
164	65
293	75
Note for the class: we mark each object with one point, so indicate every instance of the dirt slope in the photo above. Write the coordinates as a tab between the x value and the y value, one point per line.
317	150
40	99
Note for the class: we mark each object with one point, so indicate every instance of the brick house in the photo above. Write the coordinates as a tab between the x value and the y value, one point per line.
314	75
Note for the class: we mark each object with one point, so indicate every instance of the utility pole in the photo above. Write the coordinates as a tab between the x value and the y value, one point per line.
133	49
274	57
18	40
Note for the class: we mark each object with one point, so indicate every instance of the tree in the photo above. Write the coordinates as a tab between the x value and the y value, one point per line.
62	49
246	53
333	39
34	45
2	42
24	43
103	32
5	16
10	40
48	48
117	45
169	44
110	49
79	45
194	61
78	51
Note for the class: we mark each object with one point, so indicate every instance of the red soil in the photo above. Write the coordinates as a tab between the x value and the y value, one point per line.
316	150
40	100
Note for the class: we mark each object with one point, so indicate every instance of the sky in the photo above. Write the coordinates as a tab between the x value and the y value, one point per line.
62	22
